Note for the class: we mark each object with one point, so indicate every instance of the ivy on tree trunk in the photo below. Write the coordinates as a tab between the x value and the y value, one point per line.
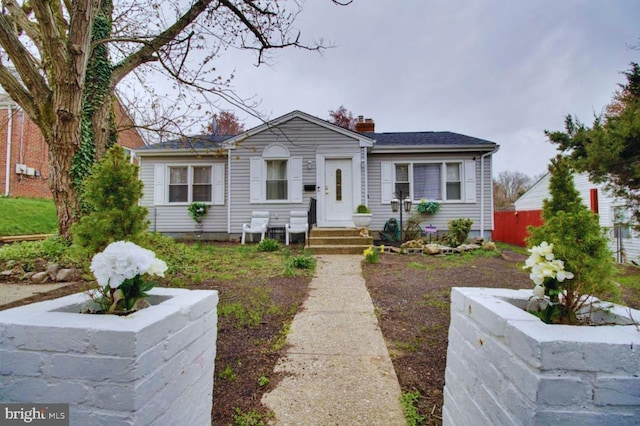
98	121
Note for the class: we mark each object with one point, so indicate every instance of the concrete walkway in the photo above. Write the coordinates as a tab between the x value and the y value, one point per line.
338	370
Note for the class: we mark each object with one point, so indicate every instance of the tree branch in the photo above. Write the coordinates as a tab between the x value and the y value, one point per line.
148	52
26	66
20	18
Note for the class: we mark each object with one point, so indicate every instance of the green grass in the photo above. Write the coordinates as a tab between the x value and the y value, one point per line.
409	402
25	216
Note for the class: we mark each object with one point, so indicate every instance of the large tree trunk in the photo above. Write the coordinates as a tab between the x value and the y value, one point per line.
64	195
68	85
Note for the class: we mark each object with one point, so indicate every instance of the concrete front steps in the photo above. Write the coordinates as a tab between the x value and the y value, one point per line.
337	241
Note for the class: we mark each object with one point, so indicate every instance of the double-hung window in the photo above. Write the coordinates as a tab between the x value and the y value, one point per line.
443	181
190	183
187	183
179	184
276	180
201	184
275	176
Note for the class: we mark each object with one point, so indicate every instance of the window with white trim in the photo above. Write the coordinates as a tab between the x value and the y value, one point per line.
190	183
275	176
453	181
179	184
276	180
431	181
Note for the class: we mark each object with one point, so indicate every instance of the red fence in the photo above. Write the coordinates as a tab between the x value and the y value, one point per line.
511	227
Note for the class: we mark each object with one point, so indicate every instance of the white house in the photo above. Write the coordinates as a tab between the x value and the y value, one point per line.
613	215
287	163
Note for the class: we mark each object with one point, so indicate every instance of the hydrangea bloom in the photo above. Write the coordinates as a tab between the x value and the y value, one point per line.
124	260
544	266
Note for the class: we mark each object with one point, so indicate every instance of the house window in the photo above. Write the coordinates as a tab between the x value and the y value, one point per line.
178	184
202	184
621	222
276	179
338	185
275	176
431	181
402	179
454	191
427	181
190	183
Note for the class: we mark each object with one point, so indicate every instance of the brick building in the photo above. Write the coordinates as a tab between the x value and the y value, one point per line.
24	158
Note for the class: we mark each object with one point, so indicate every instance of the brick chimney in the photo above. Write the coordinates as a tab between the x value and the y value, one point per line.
365	124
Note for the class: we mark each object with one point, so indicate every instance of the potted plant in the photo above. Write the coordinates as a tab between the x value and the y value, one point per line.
362	216
197	211
554	354
427	207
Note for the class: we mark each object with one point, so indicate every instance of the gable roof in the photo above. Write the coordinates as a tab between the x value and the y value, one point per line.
210	143
364	140
429	141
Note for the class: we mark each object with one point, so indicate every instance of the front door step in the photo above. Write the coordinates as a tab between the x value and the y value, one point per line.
338	241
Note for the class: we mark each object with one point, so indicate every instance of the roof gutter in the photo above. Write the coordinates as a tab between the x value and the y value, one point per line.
377	149
482	189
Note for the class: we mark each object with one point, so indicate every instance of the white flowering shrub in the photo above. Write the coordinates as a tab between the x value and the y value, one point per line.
548	275
121	270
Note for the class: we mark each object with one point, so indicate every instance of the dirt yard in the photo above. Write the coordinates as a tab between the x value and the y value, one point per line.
411	297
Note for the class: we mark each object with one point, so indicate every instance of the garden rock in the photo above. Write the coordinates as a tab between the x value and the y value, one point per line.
431	249
52	271
68	274
489	245
40	277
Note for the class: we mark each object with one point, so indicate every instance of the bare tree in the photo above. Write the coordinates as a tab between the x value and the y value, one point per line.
508	187
49	44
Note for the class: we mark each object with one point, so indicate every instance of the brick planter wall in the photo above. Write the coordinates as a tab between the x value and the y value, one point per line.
152	367
505	366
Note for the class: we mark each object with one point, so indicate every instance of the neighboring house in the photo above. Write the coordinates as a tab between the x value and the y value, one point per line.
282	165
24	155
614	216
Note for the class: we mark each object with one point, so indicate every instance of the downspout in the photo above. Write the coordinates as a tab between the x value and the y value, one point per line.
365	164
8	167
229	192
482	190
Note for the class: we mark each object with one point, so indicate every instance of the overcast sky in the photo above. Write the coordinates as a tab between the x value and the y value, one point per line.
501	70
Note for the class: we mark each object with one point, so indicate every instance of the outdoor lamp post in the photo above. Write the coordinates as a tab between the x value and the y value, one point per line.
395	207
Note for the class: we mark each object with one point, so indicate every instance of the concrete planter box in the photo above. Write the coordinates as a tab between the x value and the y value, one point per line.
505	366
154	366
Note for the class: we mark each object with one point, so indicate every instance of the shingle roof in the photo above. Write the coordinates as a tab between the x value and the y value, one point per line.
425	139
209	141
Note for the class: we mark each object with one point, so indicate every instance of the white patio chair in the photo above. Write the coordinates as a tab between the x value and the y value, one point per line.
258	225
298	224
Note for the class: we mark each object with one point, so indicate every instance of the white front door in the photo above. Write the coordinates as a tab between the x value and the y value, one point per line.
338	191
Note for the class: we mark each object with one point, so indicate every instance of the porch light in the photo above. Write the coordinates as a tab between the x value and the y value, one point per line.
395	204
395	207
407	204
